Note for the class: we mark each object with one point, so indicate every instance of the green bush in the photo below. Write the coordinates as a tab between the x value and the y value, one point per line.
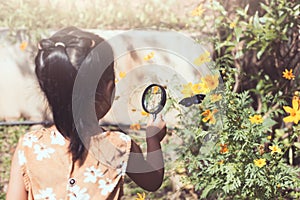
255	150
9	137
241	164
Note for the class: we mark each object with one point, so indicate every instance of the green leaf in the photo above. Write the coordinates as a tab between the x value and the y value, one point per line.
279	133
256	23
262	50
246	8
241	12
291	156
238	54
207	189
297	144
269	122
251	43
268	9
280	20
238	33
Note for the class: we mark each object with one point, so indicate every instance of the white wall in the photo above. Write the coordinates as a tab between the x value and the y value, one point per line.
21	96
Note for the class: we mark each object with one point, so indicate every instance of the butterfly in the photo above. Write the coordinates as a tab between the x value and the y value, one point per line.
196	99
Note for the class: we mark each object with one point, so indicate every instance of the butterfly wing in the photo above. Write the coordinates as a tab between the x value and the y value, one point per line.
187	102
196	99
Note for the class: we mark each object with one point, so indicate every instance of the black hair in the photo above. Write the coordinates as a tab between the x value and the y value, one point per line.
57	63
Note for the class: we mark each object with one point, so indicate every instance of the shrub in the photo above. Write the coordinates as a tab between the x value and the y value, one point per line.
255	151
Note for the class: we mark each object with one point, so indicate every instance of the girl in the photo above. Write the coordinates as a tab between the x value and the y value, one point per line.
57	162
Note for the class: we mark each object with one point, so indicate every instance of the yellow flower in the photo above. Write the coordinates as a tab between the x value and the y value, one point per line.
198	11
275	149
288	74
269	137
140	196
191	89
294	112
256	119
149	56
203	58
209	116
260	162
296	99
196	88
135	127
155	89
187	90
180	170
221	162
224	148
122	74
203	88
211	81
232	25
144	113
215	97
23	45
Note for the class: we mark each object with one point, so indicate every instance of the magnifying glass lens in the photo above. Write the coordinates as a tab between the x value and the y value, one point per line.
154	99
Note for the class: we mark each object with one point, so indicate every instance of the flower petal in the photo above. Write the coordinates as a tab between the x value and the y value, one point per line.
295	103
288	119
287	109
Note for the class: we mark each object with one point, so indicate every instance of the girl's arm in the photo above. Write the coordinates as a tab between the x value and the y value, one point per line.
148	173
16	187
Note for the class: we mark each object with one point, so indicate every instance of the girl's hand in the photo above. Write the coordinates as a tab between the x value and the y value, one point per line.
156	128
151	169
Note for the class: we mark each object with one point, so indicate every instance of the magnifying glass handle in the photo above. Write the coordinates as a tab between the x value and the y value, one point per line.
154	116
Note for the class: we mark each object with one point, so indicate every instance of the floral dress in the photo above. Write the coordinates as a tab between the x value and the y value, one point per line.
49	173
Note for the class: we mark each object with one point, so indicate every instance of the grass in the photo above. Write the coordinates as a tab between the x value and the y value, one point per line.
9	137
36	16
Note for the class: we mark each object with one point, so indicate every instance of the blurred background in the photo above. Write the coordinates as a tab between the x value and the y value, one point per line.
251	42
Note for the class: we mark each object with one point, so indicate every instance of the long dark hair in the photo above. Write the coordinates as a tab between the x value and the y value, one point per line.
57	63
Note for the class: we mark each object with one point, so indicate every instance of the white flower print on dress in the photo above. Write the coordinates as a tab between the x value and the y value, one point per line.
92	174
45	194
122	169
29	139
106	186
57	138
78	194
42	151
124	137
21	157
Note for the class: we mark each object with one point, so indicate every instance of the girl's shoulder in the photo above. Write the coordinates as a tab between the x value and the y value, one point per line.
114	139
111	148
46	136
117	136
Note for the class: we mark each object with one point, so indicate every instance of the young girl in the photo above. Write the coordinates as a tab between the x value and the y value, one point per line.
55	163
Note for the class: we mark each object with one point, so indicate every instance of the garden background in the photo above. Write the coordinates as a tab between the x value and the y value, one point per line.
253	44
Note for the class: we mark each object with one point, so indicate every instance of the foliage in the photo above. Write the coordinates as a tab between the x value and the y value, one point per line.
9	137
33	18
255	154
230	171
248	151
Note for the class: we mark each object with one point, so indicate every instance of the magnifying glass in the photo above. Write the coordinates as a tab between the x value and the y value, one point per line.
154	99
